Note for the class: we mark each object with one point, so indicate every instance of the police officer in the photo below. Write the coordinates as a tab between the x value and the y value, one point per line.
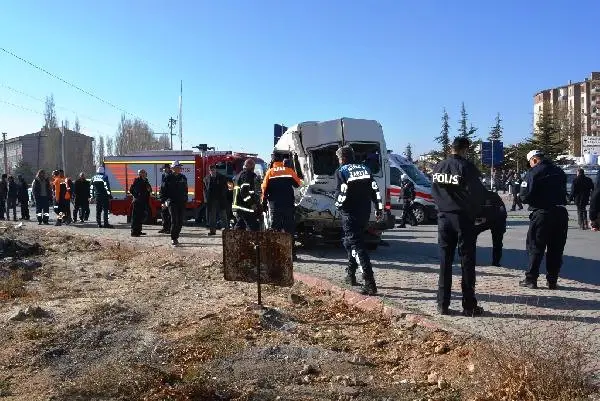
101	192
140	190
245	200
164	212
493	214
278	197
408	196
515	188
355	190
544	189
580	193
458	193
174	195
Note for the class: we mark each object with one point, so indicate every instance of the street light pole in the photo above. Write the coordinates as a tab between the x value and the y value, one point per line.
5	158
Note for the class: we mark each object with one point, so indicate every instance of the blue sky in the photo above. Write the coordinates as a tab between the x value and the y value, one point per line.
248	64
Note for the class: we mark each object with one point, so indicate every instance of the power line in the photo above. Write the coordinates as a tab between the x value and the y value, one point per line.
37	112
68	83
77	114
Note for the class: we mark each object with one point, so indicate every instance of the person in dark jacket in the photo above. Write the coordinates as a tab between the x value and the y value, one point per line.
356	189
12	196
42	193
515	187
544	189
408	197
581	189
493	216
279	199
595	205
174	195
140	190
215	196
245	200
81	190
458	192
3	194
164	212
23	197
101	192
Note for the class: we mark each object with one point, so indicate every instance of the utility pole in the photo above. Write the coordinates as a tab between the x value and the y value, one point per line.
5	159
181	115
172	123
62	147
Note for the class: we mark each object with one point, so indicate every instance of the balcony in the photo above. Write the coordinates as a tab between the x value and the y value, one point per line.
595	90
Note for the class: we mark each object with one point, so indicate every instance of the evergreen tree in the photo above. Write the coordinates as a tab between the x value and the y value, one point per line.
496	132
444	137
462	123
408	152
547	136
469	132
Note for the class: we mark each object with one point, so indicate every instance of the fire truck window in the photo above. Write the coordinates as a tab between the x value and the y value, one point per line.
324	160
224	168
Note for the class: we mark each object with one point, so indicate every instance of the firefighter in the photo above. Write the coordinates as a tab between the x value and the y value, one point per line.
42	193
69	195
164	212
355	190
12	195
278	197
174	193
408	196
81	189
544	189
140	190
493	214
458	192
62	197
215	197
101	192
245	202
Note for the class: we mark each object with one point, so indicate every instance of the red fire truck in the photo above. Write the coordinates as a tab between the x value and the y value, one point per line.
122	170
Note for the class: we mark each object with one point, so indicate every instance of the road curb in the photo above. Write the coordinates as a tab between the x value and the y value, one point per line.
368	303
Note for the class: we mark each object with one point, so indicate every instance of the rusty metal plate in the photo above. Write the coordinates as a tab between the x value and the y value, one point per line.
239	257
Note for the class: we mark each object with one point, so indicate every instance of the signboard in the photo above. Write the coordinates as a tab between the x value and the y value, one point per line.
493	152
240	257
278	130
590	144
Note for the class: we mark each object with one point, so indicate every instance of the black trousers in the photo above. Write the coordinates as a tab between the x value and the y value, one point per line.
581	216
497	230
83	208
138	214
547	232
247	221
177	212
42	209
102	206
24	208
3	208
516	201
354	242
457	229
166	219
216	209
283	218
408	216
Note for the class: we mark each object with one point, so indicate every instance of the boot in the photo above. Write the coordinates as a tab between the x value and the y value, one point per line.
369	287
46	220
106	225
39	218
350	279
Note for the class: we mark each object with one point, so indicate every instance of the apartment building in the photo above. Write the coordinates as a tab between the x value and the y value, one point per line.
580	104
42	150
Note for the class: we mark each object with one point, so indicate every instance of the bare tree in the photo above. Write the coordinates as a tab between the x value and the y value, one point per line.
76	126
94	149
65	123
110	146
100	151
135	136
50	113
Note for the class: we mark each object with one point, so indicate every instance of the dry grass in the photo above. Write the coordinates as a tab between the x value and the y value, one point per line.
530	364
4	387
12	286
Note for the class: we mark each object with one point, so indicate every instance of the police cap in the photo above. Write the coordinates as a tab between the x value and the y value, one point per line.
534	153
